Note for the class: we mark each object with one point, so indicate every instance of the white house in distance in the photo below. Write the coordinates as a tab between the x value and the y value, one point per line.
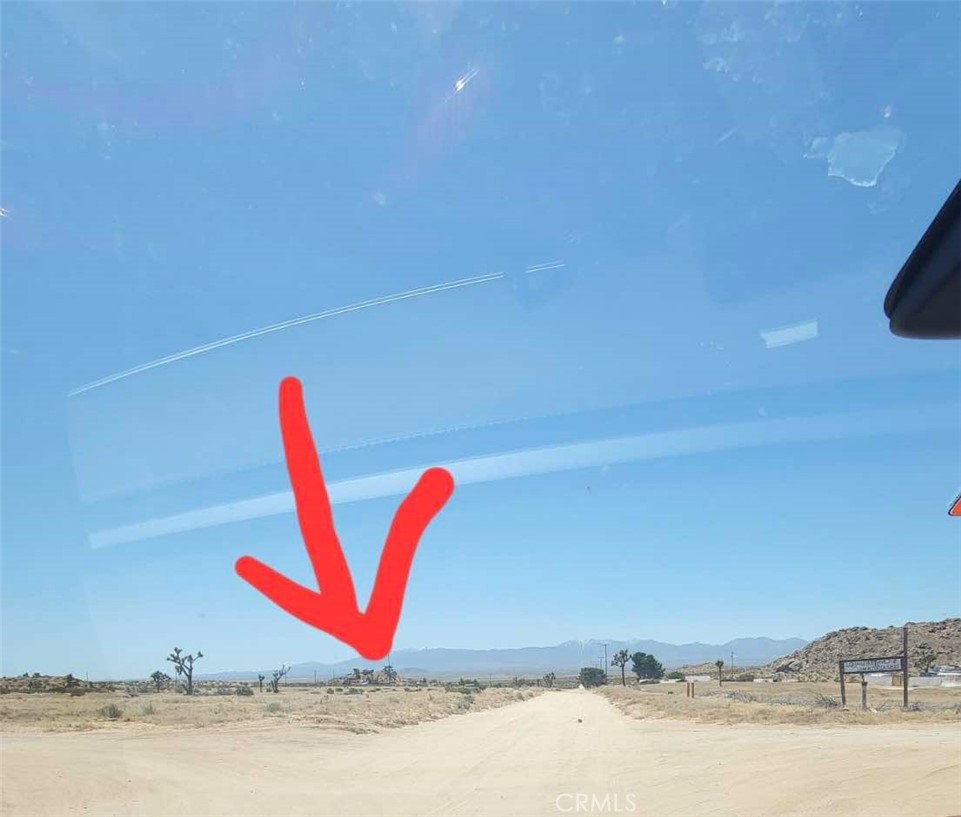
941	676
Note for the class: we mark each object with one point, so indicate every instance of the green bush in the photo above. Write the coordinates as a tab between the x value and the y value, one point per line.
646	666
273	707
745	676
244	690
675	676
592	677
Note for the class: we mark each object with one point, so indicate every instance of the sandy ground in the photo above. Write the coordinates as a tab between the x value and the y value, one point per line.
527	758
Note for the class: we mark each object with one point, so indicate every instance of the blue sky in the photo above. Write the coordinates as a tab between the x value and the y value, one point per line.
619	266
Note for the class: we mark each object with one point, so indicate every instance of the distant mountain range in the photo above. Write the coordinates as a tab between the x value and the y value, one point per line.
562	658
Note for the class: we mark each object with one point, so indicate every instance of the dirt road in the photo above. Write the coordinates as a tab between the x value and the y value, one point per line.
560	753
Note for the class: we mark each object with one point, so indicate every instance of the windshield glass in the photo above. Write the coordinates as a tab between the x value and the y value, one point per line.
618	268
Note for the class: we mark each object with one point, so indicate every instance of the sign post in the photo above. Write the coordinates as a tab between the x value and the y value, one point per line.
862	666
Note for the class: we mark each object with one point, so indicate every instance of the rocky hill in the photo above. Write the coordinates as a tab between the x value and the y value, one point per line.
818	661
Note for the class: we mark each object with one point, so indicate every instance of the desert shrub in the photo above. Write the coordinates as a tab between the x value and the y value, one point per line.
745	676
354	691
743	697
273	707
148	710
76	693
826	701
649	681
592	677
675	676
330	690
111	711
244	690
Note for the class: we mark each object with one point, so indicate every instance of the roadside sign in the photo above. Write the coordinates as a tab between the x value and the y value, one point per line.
887	663
892	664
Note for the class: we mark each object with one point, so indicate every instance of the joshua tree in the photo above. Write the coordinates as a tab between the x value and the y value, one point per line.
159	678
260	681
620	660
720	666
391	673
549	679
278	675
184	664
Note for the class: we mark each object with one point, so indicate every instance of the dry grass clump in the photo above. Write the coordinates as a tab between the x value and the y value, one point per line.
796	704
352	709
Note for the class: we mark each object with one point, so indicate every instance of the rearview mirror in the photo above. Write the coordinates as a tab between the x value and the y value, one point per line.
924	300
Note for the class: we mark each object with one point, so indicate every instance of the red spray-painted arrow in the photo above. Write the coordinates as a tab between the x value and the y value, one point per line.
334	609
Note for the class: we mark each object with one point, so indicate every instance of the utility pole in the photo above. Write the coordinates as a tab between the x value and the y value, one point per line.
605	659
732	665
904	662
